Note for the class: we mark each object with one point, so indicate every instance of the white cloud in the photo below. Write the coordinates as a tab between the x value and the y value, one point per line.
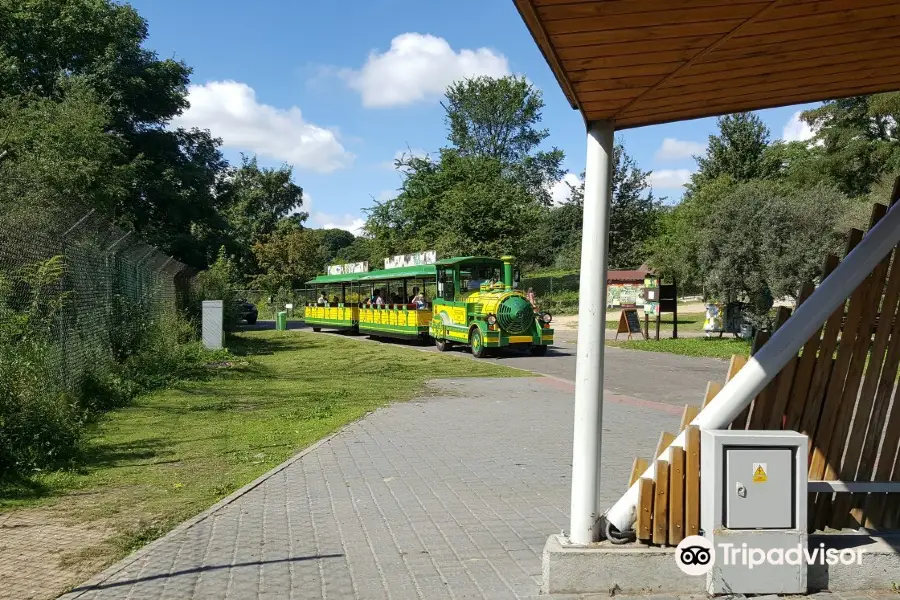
673	149
669	179
347	221
560	192
230	110
419	67
797	130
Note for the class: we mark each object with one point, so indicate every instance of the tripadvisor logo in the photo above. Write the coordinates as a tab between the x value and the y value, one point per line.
695	555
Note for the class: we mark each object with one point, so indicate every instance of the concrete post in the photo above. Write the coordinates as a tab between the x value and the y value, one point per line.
584	525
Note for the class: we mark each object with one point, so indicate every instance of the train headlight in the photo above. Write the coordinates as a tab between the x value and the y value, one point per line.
492	320
546	317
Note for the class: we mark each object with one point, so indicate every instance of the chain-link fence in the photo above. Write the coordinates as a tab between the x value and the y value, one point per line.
268	304
558	294
78	296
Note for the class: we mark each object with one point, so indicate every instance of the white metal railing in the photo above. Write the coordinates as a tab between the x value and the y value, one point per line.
854	487
784	344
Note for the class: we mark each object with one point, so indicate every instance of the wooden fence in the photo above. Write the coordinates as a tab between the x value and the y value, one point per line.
838	391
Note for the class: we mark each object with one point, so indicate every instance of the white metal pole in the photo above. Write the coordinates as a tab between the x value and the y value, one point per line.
584	526
781	347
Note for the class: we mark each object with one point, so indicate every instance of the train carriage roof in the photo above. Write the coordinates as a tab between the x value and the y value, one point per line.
344	278
447	262
401	273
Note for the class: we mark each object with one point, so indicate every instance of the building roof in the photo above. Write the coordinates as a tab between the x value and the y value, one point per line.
641	62
627	276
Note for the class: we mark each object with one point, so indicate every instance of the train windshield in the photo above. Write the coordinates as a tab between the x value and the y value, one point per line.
472	276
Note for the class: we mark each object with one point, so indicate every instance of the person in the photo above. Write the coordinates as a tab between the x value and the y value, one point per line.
321	301
530	296
379	301
418	298
335	301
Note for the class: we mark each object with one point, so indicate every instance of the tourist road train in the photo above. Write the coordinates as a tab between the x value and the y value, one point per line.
469	301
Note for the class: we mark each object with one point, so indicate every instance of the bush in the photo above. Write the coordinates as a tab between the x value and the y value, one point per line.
56	375
219	282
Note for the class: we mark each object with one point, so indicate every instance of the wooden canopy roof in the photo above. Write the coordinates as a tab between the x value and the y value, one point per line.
642	62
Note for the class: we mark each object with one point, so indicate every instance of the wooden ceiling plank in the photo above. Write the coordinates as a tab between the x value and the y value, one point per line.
607	8
663	17
640	47
622	83
786	81
638	34
710	48
768	38
821	7
610	96
828	50
820	64
632	71
629	60
884	78
628	121
816	21
843	38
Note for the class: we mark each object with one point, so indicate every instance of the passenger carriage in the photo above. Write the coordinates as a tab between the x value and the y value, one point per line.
470	301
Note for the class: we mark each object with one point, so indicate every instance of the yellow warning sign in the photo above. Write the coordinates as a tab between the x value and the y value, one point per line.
759	473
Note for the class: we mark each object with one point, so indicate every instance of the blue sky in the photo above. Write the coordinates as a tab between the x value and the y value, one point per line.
338	89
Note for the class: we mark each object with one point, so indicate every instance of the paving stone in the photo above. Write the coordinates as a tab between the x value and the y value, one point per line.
450	496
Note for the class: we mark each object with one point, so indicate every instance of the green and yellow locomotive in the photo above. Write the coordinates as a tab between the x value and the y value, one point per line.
469	300
477	304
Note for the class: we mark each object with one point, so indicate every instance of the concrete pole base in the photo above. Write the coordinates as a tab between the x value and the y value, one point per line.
635	569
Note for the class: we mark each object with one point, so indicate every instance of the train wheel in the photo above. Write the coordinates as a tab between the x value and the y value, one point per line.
477	343
317	329
539	350
441	345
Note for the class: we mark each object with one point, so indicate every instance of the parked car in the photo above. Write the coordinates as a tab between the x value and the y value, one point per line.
247	311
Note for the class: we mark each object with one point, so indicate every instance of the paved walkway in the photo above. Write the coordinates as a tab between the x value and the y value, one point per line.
452	496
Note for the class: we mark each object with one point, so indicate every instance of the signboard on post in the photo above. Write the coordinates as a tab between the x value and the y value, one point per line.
629	323
358	267
428	257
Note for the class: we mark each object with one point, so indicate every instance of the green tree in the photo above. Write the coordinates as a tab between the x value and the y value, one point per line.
335	240
633	218
856	140
738	151
45	45
498	118
288	260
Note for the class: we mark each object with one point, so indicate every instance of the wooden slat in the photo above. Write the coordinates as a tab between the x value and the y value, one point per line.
806	364
665	440
862	443
692	481
736	364
643	526
839	31
636	34
778	413
661	503
689	414
778	94
616	83
850	399
637	469
740	421
617	22
799	12
885	9
692	42
762	405
676	495
812	408
839	38
618	61
566	9
710	89
632	71
823	440
712	389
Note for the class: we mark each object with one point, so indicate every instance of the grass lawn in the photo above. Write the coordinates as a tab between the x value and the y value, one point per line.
710	347
686	322
172	453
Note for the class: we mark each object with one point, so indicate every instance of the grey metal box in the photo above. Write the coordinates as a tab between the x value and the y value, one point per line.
212	325
759	488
